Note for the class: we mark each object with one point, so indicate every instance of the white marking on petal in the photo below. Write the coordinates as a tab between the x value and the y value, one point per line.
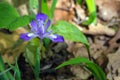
53	36
30	34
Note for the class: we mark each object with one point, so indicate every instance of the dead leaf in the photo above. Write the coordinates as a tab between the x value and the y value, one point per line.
10	47
98	29
108	9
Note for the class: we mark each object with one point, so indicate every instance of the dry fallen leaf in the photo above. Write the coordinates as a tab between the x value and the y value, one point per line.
80	72
108	9
114	64
8	46
114	42
98	29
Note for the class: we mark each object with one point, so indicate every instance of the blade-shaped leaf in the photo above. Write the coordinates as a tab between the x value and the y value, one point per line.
7	14
32	55
79	1
30	51
76	60
45	8
69	32
7	75
33	5
91	19
16	70
2	68
95	69
92	12
54	2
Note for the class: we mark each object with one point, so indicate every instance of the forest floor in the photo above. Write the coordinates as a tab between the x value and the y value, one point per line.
104	40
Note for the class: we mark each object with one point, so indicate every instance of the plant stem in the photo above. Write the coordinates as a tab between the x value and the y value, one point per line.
90	58
88	50
40	6
37	66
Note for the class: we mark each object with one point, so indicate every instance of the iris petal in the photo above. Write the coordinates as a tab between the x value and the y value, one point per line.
27	36
47	24
55	38
41	16
33	26
40	28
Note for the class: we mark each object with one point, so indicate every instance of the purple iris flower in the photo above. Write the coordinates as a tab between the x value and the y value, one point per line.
39	28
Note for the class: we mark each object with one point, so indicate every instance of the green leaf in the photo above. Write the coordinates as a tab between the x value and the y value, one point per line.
45	8
91	19
20	22
37	63
70	32
7	14
77	60
79	1
34	5
46	42
31	50
95	69
16	70
54	2
7	75
2	68
32	54
92	11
